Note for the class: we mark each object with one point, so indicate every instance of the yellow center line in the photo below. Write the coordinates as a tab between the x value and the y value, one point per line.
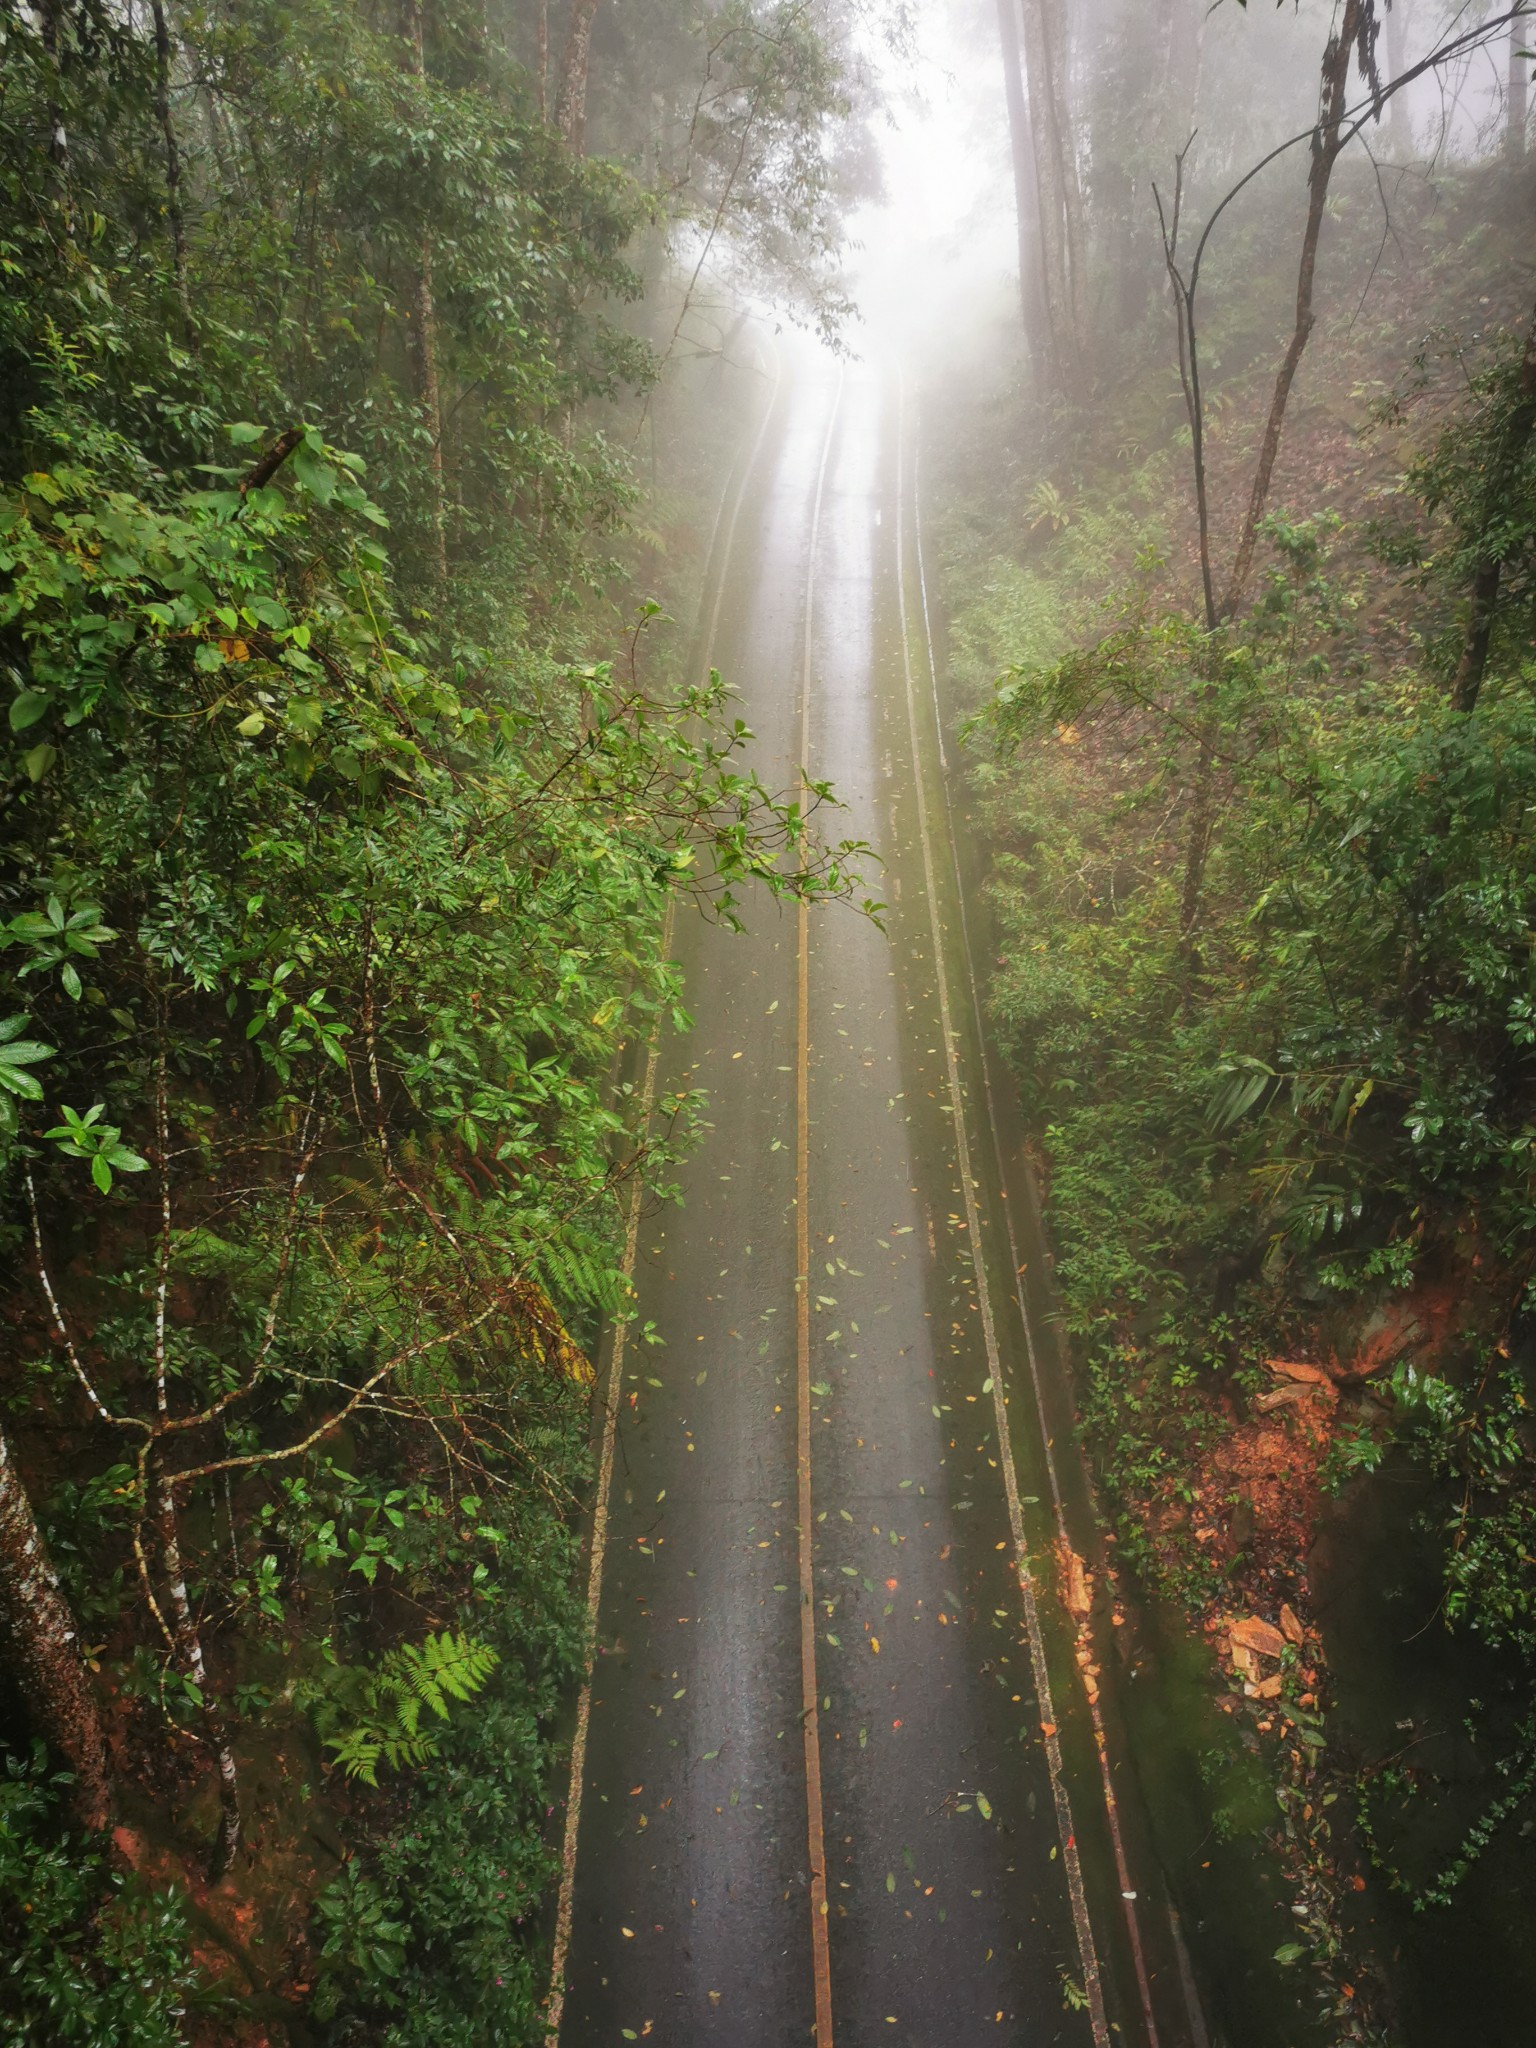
1071	1861
554	2005
810	1705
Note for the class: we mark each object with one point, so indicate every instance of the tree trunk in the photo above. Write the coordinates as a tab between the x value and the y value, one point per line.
543	60
1051	104
1483	606
189	1646
1202	827
1182	36
1026	196
571	106
1399	121
1051	206
42	1647
1074	233
428	387
1517	101
173	211
1357	19
429	398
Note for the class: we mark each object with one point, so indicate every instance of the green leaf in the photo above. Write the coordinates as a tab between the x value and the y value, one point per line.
101	1173
316	478
38	760
27	707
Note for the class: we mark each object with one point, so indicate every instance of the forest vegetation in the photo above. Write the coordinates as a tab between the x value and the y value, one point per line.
352	761
371	372
1240	562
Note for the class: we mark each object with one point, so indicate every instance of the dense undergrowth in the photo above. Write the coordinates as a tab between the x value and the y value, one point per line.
1284	1088
349	771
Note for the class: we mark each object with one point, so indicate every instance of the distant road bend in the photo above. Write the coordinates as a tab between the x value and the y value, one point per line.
834	1758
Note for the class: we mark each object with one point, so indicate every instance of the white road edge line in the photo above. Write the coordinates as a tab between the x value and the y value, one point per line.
555	2002
1071	1861
1128	1891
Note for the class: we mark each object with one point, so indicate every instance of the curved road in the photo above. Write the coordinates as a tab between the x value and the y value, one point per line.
836	1777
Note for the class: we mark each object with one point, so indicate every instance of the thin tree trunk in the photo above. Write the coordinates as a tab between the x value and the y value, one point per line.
1325	154
543	60
1026	195
1202	828
1483	607
429	396
1517	98
42	1646
58	135
173	211
571	106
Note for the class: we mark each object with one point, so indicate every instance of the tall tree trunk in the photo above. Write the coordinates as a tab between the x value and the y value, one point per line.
1517	95
1182	37
571	105
1356	28
1073	220
429	396
1026	196
1062	240
543	60
173	210
42	1647
1048	192
1400	120
1499	480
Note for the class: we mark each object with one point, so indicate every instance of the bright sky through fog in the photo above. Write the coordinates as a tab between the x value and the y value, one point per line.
946	230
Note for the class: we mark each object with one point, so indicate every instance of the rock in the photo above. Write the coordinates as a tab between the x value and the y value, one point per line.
1295	1369
1290	1624
1244	1663
1250	1633
1268	1688
1075	1589
1279	1397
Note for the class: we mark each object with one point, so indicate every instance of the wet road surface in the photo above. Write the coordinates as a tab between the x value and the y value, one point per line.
822	1791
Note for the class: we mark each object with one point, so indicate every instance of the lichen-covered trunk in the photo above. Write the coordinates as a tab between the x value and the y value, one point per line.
189	1647
571	106
42	1649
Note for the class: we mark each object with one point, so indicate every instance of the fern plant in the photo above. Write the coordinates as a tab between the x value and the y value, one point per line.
371	1717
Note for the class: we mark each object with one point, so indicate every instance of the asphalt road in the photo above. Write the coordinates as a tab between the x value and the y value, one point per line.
874	1814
